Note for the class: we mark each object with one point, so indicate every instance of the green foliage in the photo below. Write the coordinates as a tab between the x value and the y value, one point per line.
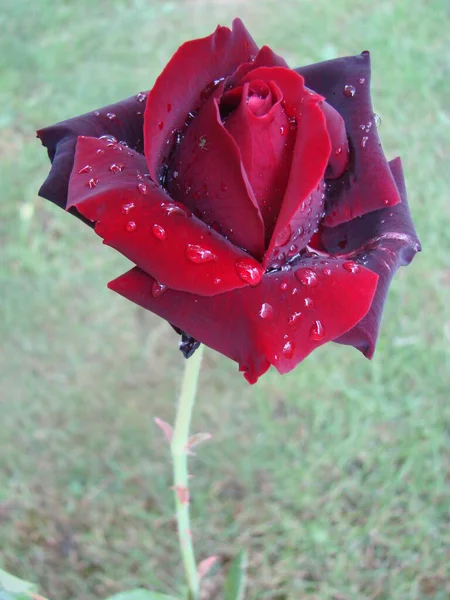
141	595
236	579
13	588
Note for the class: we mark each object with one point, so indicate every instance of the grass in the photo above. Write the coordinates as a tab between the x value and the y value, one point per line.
336	477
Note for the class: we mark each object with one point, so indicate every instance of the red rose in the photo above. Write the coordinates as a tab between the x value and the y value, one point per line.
255	200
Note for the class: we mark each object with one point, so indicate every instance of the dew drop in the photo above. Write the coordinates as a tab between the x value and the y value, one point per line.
283	286
386	201
249	271
223	186
317	332
362	80
92	183
266	311
349	91
364	141
199	255
170	208
158	289
100	151
377	119
217	280
159	232
351	267
142	189
326	271
169	107
175	174
130	226
127	207
308	303
116	167
160	125
338	151
85	169
109	138
293	318
307	277
283	130
288	349
141	97
283	236
97	113
111	116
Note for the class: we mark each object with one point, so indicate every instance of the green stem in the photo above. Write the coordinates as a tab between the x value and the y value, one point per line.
180	470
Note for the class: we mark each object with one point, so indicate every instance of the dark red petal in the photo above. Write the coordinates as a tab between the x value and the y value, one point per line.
178	89
339	144
123	120
367	185
139	219
382	240
266	144
206	174
278	322
265	58
302	203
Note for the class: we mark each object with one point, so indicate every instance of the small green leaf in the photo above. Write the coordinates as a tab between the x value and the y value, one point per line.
236	579
140	595
13	586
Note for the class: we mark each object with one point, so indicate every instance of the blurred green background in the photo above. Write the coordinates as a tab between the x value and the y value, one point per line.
336	477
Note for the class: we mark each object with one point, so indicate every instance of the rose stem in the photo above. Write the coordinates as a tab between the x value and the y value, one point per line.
180	471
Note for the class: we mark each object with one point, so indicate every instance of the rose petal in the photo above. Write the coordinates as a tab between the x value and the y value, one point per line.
266	145
367	185
206	174
302	203
278	322
137	218
123	120
382	240
178	89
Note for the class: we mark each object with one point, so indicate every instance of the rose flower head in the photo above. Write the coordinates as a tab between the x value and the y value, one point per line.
254	200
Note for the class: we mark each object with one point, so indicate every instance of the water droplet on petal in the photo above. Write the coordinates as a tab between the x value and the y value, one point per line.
127	207
362	80
100	151
130	226
283	236
160	125
159	232
111	116
307	276
317	332
92	183
351	267
109	138
349	91
288	349
377	119
283	130
141	97
223	186
386	201
85	169
364	141
142	189
326	271
199	255
284	286
294	317
338	151
169	107
266	311
116	167
249	271
97	113
217	280
158	289
308	302
171	208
